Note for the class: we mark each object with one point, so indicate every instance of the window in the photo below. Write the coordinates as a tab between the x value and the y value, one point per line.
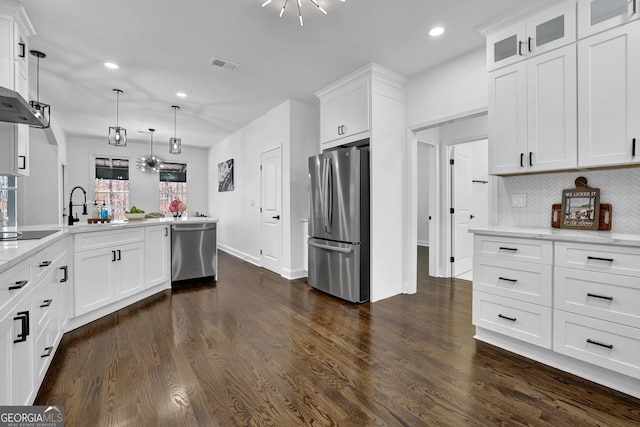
8	201
173	185
112	185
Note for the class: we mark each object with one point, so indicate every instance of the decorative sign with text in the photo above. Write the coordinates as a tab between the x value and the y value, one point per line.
580	206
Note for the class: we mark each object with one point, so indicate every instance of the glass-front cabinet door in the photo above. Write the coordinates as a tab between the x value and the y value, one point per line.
595	16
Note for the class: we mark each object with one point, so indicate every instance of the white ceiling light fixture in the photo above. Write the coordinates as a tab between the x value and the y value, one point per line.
175	144
150	163
117	134
181	94
111	65
299	2
436	31
40	109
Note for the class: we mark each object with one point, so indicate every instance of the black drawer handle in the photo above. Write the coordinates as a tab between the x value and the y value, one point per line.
65	278
600	259
18	285
503	248
48	351
45	264
23	316
508	280
46	303
599	296
590	341
513	319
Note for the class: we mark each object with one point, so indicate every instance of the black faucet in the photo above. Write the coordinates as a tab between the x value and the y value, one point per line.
71	205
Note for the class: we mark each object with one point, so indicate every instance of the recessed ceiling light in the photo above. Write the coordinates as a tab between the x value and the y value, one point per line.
111	65
436	31
181	94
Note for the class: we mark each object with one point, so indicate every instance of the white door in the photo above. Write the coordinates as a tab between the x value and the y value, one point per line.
271	211
461	188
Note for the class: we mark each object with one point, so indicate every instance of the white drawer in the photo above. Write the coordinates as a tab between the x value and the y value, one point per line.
46	260
105	239
43	350
604	258
606	296
13	282
521	320
605	344
525	281
530	250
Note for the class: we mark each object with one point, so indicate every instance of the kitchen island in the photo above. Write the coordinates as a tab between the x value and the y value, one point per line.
67	279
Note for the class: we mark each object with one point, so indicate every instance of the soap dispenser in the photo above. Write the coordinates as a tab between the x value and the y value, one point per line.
95	212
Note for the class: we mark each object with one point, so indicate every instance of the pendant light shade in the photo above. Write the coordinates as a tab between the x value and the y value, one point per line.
150	163
117	135
175	144
40	109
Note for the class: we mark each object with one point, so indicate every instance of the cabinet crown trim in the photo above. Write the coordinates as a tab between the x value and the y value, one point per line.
515	16
373	70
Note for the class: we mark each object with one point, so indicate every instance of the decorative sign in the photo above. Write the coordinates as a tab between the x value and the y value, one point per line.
580	207
225	176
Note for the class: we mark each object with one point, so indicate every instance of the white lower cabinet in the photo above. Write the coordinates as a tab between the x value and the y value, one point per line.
158	255
586	314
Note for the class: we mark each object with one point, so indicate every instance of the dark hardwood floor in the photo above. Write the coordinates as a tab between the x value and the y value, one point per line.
254	349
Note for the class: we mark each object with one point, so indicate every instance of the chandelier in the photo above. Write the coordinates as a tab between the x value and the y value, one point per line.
150	163
284	6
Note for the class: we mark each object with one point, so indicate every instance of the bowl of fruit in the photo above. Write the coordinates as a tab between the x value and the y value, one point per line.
134	214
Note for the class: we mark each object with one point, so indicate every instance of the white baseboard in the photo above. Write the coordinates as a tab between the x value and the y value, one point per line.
423	243
239	254
294	274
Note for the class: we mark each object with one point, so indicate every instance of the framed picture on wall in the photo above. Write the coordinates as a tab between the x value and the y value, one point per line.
225	176
580	207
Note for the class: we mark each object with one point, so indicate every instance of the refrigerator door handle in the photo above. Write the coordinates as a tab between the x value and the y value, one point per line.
330	193
331	248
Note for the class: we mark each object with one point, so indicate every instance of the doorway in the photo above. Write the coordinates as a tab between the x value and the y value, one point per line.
271	210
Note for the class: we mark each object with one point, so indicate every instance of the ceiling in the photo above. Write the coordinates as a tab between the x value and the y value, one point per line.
164	46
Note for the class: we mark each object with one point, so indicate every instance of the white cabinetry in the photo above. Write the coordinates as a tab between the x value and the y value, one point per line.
532	114
574	306
158	255
109	266
542	32
609	97
595	16
15	27
345	112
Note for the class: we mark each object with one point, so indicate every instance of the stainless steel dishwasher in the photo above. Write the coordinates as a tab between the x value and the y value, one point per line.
193	252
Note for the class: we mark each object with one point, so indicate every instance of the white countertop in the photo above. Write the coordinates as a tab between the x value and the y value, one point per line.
558	234
14	251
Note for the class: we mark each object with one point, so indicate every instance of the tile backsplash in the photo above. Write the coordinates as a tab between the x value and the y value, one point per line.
618	187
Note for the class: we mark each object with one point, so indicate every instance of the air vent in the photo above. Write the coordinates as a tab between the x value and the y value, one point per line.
224	63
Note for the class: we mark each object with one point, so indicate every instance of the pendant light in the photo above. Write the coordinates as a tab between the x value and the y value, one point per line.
150	163
117	135
40	109
175	144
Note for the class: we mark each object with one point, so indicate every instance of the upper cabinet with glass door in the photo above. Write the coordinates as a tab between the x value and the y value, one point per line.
595	16
547	30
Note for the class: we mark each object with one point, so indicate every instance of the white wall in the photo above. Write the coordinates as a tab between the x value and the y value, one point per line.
293	126
424	151
143	188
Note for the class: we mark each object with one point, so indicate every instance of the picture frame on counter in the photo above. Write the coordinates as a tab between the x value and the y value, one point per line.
580	207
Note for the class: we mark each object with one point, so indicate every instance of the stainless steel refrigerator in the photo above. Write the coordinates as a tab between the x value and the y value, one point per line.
339	223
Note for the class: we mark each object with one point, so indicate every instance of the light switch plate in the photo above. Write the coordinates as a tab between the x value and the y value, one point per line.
519	200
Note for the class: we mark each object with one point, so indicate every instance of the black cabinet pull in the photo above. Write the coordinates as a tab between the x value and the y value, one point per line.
22	162
590	341
23	316
46	303
529	44
339	127
504	248
18	285
513	319
166	232
45	264
519	48
65	278
119	255
589	294
508	280
113	256
633	144
23	50
635	7
600	259
530	158
521	160
48	351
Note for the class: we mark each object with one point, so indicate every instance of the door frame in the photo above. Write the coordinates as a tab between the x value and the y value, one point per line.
440	243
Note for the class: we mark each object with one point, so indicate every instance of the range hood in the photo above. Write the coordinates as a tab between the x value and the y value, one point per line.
14	109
